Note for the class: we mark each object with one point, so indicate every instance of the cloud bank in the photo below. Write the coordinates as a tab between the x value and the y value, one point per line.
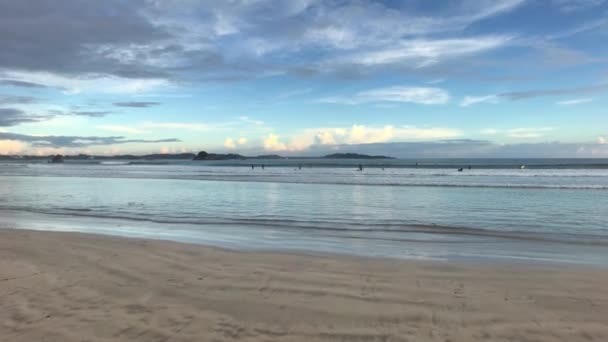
75	141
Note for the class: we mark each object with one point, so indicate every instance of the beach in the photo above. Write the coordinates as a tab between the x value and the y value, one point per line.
57	286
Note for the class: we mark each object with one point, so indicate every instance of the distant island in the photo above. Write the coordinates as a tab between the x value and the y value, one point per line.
217	156
201	156
354	156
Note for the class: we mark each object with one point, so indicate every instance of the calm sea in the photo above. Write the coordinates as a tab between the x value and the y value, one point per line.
550	210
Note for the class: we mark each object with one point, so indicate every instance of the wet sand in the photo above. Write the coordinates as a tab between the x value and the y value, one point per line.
77	287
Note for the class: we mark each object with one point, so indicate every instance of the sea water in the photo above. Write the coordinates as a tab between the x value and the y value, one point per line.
550	210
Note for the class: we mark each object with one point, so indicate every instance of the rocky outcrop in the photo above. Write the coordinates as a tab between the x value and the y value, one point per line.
57	159
202	155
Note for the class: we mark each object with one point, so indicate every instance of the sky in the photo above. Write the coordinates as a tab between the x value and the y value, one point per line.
458	78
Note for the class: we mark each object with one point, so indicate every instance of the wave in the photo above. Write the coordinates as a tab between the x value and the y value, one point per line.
350	230
112	163
333	180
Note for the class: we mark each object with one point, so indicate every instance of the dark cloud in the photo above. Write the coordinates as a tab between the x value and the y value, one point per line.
12	117
93	114
72	36
4	100
21	84
520	95
211	40
136	104
75	141
76	112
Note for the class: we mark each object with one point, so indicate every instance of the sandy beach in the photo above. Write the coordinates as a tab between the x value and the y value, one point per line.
77	287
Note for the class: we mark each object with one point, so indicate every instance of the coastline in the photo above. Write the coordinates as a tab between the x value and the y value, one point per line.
75	286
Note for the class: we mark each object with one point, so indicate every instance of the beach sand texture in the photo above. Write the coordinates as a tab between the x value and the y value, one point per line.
76	287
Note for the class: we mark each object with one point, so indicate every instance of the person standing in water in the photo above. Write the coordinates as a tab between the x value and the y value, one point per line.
360	167
252	166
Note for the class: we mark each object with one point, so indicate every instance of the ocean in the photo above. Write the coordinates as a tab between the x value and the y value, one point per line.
541	210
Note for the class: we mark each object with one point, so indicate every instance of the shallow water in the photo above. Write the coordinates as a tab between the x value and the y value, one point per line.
543	213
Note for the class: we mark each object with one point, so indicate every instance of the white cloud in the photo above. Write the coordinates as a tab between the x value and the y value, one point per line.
422	52
326	138
272	143
418	95
357	134
528	133
120	129
574	102
471	100
232	143
12	147
94	84
602	140
360	134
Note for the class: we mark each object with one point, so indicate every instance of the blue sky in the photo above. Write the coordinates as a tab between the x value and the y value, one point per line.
407	78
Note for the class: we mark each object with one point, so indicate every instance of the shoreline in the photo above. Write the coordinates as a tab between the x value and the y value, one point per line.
77	286
427	243
462	249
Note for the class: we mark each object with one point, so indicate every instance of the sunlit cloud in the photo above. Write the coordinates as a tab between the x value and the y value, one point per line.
356	134
231	143
272	143
12	147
